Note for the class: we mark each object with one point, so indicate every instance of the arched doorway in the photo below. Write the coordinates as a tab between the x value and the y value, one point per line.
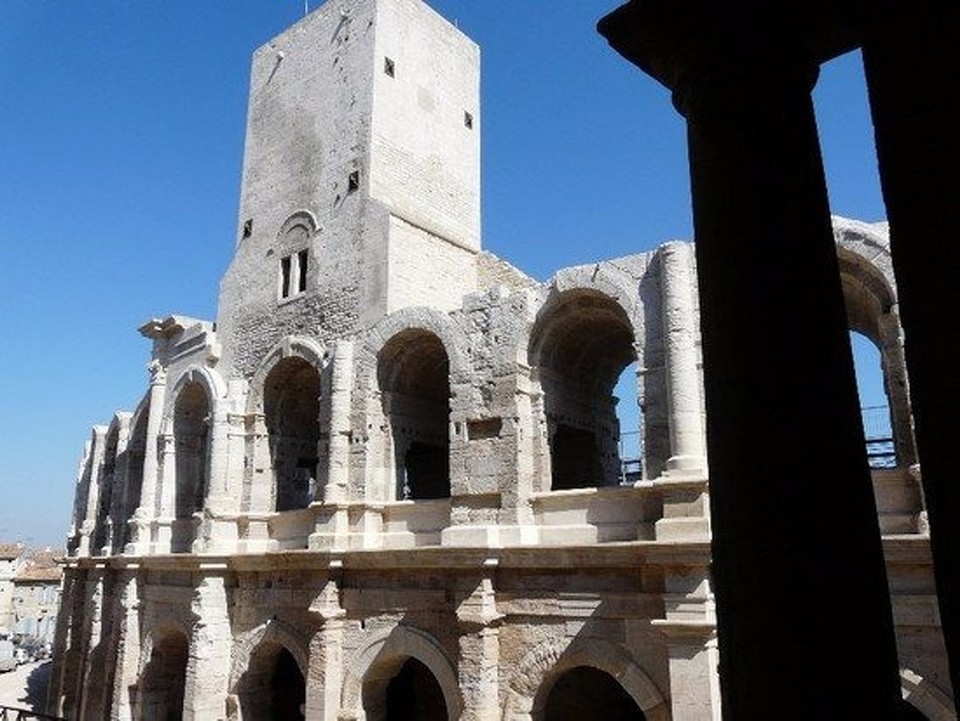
291	407
163	679
579	348
191	425
273	687
413	371
584	692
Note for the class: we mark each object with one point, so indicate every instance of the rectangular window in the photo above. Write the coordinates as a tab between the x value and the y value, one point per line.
302	271
285	277
293	274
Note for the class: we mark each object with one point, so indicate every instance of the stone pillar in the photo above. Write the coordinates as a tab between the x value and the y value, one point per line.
910	58
144	516
687	453
208	670
218	526
93	671
127	659
479	661
341	391
791	540
325	675
162	527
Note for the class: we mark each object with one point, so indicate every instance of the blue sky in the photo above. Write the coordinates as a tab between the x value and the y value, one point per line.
121	138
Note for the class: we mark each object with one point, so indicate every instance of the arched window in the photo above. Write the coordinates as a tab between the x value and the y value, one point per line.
291	406
413	372
580	346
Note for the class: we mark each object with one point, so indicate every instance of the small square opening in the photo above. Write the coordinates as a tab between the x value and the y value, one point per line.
388	67
468	120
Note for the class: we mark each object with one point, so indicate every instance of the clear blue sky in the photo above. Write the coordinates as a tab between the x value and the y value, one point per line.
121	138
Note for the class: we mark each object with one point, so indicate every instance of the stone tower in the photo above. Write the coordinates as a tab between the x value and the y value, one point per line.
361	168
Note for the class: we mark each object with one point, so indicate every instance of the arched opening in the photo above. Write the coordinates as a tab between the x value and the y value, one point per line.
273	687
291	407
411	692
133	487
629	419
580	347
191	425
878	361
413	371
874	405
163	679
585	692
101	536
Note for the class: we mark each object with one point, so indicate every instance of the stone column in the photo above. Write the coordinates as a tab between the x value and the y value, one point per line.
325	675
683	376
162	527
910	58
93	671
341	392
144	516
791	540
208	670
479	662
127	659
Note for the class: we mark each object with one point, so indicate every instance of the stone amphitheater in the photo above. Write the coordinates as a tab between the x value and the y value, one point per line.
388	482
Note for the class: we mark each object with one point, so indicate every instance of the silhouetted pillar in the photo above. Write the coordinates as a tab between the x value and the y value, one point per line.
912	65
797	560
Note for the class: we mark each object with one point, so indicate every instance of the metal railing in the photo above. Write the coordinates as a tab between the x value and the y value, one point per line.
12	713
877	432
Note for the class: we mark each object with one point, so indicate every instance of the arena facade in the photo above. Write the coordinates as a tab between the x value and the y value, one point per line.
389	481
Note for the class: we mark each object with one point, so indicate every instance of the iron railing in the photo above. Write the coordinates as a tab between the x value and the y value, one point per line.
877	432
12	713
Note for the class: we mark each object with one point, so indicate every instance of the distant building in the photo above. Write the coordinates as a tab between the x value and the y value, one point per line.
11	559
36	598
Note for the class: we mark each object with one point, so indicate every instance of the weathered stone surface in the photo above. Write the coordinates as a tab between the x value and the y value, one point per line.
393	445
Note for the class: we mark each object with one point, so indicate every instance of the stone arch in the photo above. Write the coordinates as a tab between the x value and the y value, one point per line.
529	685
415	362
290	400
925	697
381	658
455	341
162	671
870	297
580	342
299	219
211	382
256	653
293	346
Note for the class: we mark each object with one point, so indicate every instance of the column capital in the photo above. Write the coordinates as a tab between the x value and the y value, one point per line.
666	38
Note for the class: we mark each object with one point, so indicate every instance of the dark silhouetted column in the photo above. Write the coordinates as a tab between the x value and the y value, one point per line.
913	67
804	621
